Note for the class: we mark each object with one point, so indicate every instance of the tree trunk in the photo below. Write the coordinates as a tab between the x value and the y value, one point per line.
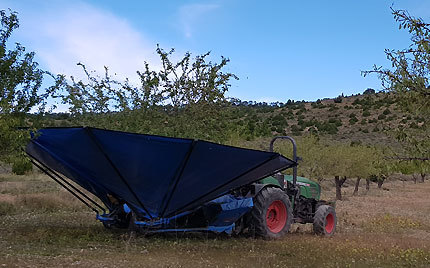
415	178
338	190
339	183
367	184
380	182
423	176
342	181
357	184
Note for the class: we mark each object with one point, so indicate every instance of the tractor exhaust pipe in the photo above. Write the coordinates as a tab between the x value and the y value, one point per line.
295	158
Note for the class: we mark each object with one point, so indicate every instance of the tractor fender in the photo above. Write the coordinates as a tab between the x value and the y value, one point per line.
258	187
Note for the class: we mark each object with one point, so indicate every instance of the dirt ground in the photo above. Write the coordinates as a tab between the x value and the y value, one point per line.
44	226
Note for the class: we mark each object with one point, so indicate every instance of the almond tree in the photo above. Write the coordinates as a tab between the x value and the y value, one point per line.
409	80
184	99
20	82
363	164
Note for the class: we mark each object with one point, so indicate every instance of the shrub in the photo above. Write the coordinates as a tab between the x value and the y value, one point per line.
389	118
366	113
328	127
336	122
333	108
369	91
338	99
313	130
382	117
21	166
296	128
280	130
353	120
413	125
317	105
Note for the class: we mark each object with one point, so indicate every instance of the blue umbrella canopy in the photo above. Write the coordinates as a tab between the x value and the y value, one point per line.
159	176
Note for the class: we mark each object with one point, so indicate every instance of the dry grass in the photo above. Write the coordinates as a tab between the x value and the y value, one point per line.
378	228
34	193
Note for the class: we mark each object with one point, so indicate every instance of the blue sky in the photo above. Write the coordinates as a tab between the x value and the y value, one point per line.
301	50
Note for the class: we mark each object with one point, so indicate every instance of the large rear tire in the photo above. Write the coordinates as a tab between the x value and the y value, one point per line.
271	216
325	221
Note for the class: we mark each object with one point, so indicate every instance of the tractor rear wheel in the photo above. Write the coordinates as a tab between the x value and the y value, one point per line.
271	216
325	221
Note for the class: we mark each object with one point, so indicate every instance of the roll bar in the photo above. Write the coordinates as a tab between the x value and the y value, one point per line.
295	158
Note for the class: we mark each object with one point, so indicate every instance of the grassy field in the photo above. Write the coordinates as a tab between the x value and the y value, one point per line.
42	225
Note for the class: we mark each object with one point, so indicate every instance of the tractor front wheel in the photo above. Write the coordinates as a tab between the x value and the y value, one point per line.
271	216
325	221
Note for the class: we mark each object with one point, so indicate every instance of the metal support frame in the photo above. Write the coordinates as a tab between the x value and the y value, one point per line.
99	147
295	158
65	184
177	178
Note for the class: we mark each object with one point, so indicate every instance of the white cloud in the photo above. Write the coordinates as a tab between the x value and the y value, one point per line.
64	36
189	16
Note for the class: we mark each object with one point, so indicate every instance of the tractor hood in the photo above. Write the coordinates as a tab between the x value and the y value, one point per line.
156	176
308	188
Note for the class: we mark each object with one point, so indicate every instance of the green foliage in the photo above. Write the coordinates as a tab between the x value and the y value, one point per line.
329	127
408	79
20	81
411	167
296	128
353	120
338	99
309	149
322	159
279	120
21	165
317	104
333	107
382	117
369	91
184	99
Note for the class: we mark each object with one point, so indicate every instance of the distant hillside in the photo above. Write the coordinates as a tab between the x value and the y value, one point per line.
367	118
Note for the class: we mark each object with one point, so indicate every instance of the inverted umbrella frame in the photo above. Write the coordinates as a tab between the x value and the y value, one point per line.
166	200
81	196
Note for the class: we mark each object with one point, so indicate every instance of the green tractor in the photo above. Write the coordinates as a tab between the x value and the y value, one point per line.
281	200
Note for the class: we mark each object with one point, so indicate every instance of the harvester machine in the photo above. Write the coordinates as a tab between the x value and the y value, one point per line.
161	184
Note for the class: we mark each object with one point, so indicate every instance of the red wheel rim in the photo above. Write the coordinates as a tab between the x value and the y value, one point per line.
276	216
329	223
